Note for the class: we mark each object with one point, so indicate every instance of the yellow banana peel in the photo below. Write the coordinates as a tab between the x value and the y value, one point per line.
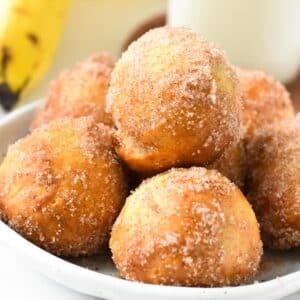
29	34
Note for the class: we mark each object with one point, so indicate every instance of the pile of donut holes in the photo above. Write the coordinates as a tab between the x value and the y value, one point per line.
184	164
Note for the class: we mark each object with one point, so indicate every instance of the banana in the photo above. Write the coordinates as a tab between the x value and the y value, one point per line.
29	34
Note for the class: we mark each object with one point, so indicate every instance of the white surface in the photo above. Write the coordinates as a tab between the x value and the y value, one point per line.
19	281
106	284
261	34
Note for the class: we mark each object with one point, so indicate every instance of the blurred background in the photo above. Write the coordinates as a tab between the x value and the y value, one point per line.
96	25
261	34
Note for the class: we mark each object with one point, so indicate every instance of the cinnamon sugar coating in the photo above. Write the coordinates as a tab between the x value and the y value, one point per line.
175	101
189	227
274	183
62	186
78	91
232	163
266	101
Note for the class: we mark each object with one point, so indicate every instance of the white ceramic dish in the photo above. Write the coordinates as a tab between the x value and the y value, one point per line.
96	276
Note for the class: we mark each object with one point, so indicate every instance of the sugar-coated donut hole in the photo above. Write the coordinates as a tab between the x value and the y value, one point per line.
232	163
78	91
266	101
274	181
190	227
175	101
62	186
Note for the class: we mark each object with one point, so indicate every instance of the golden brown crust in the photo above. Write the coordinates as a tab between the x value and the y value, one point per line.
175	101
79	91
190	227
62	186
274	183
266	101
232	163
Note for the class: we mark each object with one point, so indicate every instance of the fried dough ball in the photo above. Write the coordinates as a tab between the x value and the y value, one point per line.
266	101
190	227
62	186
232	163
274	183
79	91
175	101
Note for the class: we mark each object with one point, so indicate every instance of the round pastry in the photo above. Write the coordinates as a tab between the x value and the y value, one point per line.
190	227
79	91
274	183
62	186
232	163
266	101
175	101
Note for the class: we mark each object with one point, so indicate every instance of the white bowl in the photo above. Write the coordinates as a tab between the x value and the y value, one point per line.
96	276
